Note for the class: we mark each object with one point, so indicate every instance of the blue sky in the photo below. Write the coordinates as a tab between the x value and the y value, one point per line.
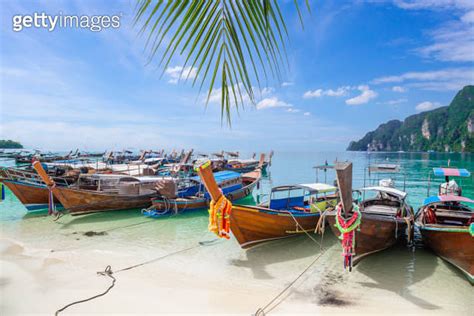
354	66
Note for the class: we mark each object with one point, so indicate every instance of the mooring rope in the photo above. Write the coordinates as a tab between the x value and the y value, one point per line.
108	272
262	311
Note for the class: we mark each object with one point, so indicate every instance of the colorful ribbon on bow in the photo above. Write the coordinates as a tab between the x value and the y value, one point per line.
347	229
219	217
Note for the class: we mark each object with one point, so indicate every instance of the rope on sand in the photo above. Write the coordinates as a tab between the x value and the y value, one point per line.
108	272
262	311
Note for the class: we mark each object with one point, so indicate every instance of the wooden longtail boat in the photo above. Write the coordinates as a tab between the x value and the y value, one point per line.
447	225
30	189
234	185
245	165
383	218
102	192
281	218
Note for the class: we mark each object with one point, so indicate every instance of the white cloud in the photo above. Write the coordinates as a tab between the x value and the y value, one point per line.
287	84
306	114
313	94
468	17
365	96
267	91
341	91
394	102
454	39
292	110
426	106
452	42
399	89
272	102
433	4
453	73
337	93
445	79
176	73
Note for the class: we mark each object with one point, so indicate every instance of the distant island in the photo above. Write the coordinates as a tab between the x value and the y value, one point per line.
9	144
448	128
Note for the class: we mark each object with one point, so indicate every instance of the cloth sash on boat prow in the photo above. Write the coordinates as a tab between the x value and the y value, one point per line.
220	207
345	223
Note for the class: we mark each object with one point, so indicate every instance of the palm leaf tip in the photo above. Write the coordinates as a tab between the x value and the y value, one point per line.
219	40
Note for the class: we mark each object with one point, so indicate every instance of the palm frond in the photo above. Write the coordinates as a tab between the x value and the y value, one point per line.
231	43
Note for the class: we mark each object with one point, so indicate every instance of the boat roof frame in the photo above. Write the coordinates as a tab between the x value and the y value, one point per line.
451	172
391	191
446	198
310	187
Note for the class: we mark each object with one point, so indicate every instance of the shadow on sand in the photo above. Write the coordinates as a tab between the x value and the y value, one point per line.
396	269
263	255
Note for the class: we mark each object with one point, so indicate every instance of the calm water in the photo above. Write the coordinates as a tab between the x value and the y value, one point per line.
411	280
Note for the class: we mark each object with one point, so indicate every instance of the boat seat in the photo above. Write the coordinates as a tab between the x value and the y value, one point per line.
381	209
455	218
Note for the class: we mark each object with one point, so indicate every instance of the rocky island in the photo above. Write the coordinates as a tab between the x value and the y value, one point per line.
448	128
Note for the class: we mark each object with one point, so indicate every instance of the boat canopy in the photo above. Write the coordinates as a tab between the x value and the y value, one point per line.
122	178
447	198
222	176
451	172
386	168
312	188
392	191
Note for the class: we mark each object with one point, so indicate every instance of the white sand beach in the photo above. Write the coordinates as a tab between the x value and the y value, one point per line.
46	265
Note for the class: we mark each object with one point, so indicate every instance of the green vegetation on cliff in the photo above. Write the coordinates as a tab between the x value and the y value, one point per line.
449	128
9	144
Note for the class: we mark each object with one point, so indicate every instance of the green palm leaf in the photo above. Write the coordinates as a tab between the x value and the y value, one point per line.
228	42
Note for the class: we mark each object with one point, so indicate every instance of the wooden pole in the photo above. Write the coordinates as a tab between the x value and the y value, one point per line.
204	171
261	161
42	173
344	182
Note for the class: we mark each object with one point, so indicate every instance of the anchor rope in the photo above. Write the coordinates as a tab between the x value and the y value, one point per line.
262	311
109	273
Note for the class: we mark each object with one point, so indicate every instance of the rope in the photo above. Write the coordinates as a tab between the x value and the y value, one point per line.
107	272
321	224
262	311
158	258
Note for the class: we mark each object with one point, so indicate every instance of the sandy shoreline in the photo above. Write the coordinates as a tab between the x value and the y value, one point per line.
38	281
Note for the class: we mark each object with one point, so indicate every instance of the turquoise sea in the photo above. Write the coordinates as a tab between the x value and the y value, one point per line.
407	280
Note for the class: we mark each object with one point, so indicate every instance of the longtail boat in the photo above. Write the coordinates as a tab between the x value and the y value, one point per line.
234	185
291	215
372	225
102	192
234	163
446	223
29	188
193	196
